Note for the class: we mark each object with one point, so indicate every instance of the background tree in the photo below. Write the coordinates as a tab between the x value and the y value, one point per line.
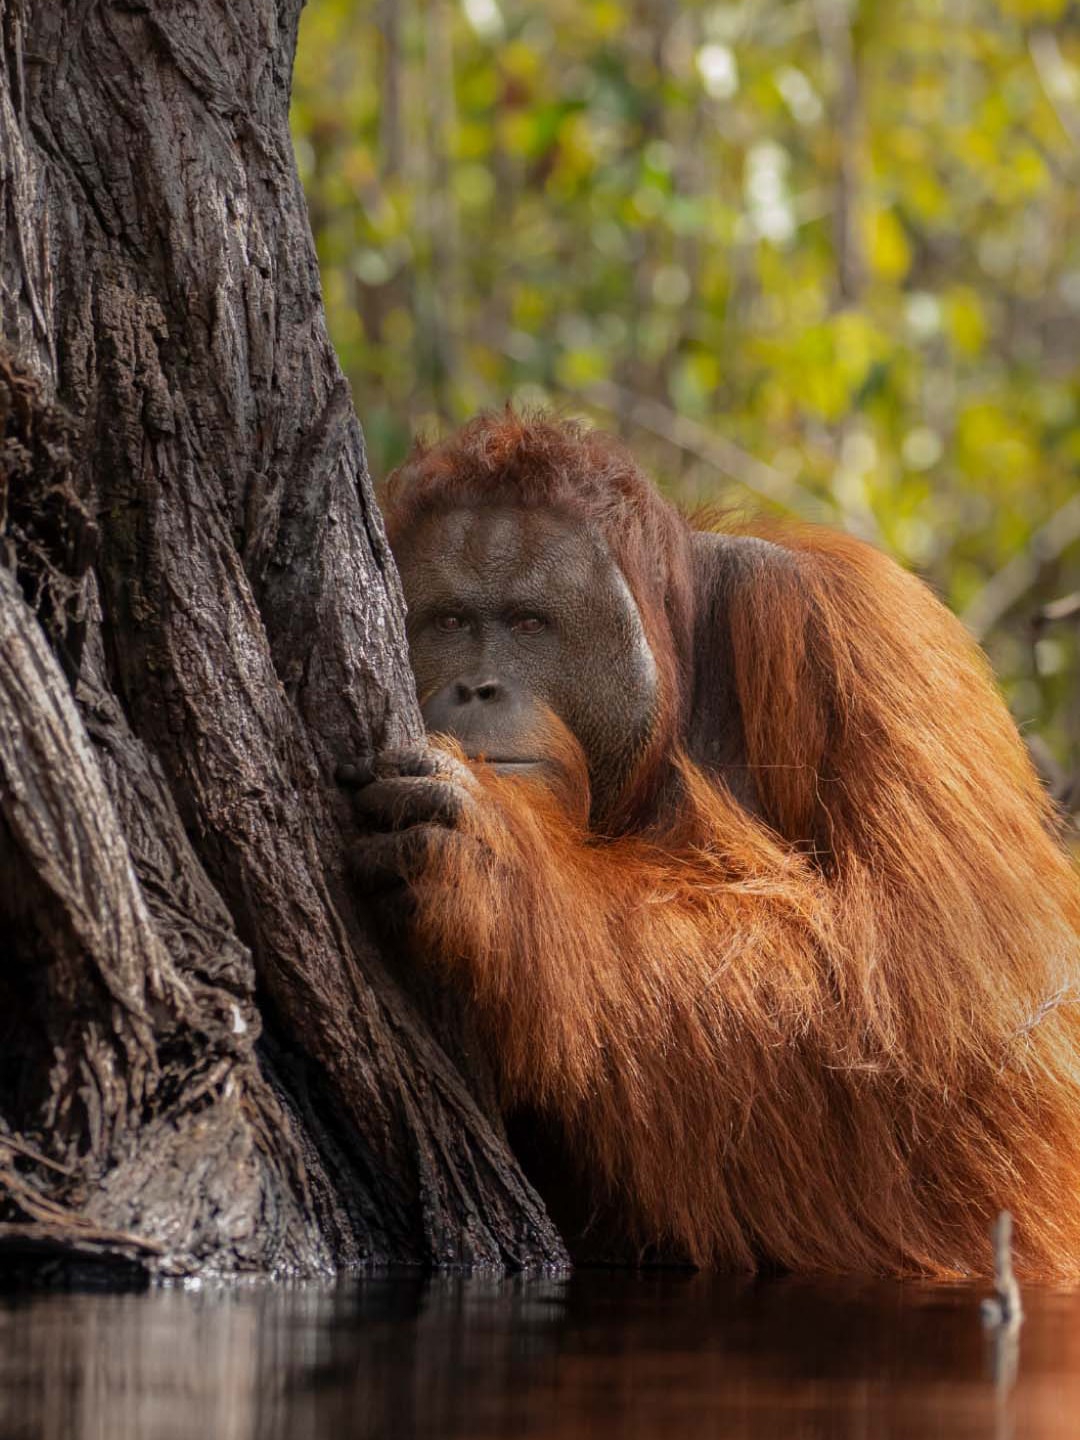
204	1063
817	254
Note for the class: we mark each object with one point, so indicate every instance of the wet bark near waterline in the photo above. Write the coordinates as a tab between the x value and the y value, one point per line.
198	618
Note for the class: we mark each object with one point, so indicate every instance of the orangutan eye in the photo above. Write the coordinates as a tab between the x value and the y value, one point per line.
528	624
450	624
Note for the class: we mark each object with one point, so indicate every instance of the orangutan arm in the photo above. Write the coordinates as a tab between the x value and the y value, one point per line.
653	1000
579	951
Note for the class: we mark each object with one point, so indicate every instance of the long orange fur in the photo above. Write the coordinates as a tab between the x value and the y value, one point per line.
840	1037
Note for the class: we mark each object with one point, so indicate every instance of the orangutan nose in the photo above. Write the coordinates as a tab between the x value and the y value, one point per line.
466	691
482	713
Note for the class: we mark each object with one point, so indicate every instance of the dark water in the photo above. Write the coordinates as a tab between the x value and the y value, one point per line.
593	1355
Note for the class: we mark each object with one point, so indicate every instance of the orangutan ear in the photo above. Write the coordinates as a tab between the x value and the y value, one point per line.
759	698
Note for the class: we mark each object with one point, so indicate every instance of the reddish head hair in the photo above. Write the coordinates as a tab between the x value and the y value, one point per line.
540	461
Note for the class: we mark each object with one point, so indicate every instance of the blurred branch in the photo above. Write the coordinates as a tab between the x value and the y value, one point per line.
1056	79
1067	608
713	450
444	291
1062	783
1052	773
391	139
1021	574
838	46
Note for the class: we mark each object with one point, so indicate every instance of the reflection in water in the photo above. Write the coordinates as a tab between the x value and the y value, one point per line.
594	1355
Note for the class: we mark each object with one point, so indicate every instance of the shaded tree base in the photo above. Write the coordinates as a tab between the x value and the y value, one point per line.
199	618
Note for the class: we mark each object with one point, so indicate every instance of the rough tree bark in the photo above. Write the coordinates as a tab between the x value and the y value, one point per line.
205	1062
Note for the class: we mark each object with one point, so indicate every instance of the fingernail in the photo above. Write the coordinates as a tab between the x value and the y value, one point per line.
354	773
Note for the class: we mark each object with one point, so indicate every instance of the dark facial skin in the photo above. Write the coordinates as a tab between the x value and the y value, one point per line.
514	613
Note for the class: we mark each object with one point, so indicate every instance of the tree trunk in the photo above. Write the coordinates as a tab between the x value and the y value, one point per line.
206	1064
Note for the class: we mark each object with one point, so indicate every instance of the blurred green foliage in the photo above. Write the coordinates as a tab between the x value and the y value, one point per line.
819	255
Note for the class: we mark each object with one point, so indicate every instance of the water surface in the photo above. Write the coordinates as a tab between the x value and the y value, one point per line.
592	1355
